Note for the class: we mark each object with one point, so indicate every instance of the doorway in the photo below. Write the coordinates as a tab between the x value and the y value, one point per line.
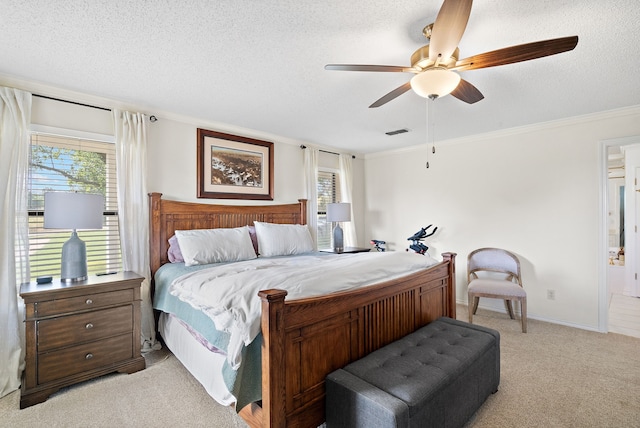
620	292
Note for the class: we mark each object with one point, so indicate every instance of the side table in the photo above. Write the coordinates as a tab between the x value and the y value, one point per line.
79	331
347	250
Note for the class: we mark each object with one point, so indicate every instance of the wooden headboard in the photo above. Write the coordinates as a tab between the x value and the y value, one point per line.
165	217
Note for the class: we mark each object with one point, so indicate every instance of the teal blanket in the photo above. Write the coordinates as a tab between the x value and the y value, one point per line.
246	382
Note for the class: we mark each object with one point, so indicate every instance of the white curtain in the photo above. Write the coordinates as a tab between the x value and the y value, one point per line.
15	117
133	209
346	193
311	186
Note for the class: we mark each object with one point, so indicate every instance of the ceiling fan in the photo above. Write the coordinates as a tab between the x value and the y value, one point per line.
435	64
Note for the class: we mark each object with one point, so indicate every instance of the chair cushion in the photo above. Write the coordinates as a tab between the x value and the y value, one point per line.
496	287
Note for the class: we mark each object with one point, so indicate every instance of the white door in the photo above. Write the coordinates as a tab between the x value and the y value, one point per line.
632	288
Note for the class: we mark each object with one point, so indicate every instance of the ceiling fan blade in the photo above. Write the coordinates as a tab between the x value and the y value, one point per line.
356	67
392	95
517	53
466	92
449	28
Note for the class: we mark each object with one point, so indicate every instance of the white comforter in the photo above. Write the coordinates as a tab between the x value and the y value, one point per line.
228	293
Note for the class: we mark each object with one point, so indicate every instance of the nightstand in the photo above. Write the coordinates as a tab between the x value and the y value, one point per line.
347	250
79	331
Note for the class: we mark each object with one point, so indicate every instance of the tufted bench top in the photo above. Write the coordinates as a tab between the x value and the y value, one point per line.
436	376
438	352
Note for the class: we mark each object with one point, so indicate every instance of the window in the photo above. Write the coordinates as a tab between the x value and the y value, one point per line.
58	163
328	192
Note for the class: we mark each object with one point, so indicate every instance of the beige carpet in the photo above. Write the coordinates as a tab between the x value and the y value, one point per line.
553	376
557	376
162	395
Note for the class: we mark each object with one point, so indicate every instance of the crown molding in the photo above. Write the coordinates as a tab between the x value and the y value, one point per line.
519	130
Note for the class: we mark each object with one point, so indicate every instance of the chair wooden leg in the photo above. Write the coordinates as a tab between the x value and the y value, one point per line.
523	310
509	307
470	300
476	300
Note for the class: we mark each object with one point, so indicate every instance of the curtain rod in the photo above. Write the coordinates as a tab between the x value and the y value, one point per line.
302	146
71	102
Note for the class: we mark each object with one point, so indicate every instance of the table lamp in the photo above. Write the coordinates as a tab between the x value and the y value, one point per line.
69	210
338	212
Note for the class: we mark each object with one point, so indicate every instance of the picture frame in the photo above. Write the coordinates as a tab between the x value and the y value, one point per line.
233	167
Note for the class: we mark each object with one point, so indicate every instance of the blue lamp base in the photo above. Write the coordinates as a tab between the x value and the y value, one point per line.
74	260
338	239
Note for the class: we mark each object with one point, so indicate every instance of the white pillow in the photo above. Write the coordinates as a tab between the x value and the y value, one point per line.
282	239
203	246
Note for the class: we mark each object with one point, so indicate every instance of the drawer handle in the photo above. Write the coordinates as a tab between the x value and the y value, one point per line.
88	326
88	356
89	301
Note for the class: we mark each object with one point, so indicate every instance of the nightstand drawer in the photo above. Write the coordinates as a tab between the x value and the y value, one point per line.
90	301
77	359
58	332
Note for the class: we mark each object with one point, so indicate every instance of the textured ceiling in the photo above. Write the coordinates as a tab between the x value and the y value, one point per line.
260	64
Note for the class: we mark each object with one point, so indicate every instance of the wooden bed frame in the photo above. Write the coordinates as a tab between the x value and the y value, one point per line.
306	339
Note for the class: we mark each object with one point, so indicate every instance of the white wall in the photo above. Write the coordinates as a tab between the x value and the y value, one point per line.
172	167
534	191
172	150
52	113
172	164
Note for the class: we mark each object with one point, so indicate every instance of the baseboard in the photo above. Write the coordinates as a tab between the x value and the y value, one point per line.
533	316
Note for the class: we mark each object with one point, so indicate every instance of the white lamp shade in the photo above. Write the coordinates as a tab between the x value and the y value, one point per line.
435	81
69	210
340	211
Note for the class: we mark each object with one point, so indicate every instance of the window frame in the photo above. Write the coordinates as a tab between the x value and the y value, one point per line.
109	257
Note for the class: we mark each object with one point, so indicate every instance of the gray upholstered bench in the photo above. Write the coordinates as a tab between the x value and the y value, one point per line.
437	376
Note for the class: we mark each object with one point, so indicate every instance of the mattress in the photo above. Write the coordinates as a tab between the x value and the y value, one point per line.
243	386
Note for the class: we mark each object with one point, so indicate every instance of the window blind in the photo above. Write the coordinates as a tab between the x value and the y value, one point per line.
328	192
59	163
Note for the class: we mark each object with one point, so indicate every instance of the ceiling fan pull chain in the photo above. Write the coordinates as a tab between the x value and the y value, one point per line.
432	121
430	126
428	129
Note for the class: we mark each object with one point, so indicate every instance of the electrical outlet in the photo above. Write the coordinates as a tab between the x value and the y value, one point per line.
551	294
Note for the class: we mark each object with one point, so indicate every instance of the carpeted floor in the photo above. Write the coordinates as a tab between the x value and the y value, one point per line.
162	395
558	376
553	376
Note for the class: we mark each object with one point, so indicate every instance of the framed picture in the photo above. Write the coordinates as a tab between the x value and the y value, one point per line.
234	167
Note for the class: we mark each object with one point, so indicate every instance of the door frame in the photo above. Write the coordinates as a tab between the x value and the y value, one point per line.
603	238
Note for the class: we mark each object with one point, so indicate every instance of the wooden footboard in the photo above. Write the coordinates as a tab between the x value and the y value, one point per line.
304	340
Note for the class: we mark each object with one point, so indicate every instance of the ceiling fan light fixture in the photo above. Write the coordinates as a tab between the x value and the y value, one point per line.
436	82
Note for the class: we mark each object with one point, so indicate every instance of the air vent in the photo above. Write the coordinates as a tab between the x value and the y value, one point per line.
397	131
